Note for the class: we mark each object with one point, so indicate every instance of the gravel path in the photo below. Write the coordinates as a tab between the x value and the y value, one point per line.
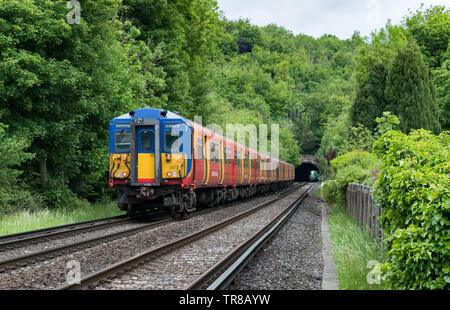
292	260
52	273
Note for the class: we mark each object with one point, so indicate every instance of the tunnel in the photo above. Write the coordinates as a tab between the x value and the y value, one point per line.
303	172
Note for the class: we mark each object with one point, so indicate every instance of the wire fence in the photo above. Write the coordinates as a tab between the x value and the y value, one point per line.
362	207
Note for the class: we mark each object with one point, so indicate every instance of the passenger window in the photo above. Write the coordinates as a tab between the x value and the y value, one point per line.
211	151
200	148
227	156
217	153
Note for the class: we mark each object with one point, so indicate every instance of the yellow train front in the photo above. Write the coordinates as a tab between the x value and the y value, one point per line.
151	161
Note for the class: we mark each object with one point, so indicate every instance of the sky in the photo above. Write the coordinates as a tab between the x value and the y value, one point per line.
318	17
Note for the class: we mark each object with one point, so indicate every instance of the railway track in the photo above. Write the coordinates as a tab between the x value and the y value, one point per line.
54	233
223	272
9	242
134	264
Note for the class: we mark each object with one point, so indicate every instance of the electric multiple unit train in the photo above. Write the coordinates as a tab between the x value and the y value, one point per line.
160	160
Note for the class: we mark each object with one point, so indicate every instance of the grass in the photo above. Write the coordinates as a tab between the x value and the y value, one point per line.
26	220
353	249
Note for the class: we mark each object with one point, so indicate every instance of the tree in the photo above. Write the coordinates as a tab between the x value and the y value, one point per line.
442	81
62	83
382	49
410	91
187	32
431	29
370	100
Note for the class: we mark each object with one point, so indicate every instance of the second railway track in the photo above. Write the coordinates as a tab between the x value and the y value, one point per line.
9	242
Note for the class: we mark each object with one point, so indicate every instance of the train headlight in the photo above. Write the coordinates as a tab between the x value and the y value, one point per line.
174	174
169	174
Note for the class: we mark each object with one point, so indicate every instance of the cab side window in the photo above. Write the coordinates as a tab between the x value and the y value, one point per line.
122	141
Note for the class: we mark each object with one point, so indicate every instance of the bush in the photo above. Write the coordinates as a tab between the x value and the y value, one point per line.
15	199
354	167
413	191
14	196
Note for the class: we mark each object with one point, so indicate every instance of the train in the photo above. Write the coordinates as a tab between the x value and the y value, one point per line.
159	160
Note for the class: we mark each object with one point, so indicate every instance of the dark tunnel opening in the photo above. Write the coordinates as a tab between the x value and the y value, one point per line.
303	172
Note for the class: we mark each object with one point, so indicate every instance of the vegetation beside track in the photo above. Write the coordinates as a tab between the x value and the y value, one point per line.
353	250
31	220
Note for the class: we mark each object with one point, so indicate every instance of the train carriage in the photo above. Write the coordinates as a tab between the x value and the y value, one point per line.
159	159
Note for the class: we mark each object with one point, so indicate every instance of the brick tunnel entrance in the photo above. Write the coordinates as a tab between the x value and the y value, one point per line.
303	172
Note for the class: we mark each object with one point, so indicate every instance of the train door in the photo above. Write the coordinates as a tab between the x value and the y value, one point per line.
146	155
237	167
214	163
199	158
221	163
255	167
207	157
228	168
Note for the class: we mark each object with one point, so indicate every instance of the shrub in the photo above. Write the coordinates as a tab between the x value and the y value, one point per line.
14	196
353	167
14	199
413	191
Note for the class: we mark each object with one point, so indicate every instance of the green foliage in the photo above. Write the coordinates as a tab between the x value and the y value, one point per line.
442	82
354	167
382	50
431	29
12	153
387	123
410	91
370	100
360	138
413	190
13	195
62	83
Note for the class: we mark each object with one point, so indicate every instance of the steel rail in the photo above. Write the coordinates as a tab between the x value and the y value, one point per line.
20	261
223	272
142	258
28	236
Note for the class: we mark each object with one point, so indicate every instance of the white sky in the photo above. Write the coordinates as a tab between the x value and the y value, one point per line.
317	17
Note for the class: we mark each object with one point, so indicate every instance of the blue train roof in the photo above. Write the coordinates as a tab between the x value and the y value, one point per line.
148	113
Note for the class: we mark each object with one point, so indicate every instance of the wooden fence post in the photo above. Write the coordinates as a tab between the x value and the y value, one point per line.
363	208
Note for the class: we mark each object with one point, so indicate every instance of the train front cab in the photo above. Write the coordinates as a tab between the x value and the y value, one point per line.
149	152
